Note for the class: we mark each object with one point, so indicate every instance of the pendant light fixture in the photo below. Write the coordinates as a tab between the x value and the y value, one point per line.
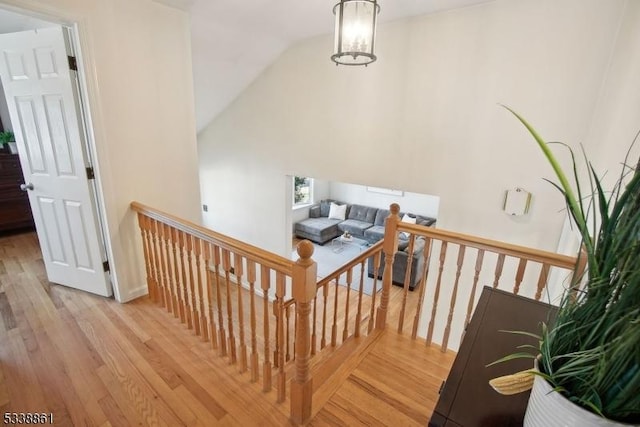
355	32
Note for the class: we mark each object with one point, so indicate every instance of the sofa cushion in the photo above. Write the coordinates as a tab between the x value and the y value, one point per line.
380	216
354	226
362	213
324	207
424	220
403	244
375	233
314	211
316	226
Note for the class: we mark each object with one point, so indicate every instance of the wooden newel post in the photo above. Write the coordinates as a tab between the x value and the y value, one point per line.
304	291
389	248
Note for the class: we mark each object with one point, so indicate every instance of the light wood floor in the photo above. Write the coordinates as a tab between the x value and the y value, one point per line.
91	361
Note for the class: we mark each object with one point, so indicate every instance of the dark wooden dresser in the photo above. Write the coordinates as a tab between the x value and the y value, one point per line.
466	398
15	212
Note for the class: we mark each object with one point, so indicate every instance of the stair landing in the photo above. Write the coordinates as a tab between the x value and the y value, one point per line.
395	383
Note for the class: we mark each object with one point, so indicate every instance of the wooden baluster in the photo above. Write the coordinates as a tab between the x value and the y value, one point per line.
145	249
334	326
195	315
177	267
389	247
202	316
185	286
542	280
424	275
325	297
287	340
376	271
164	267
251	277
436	296
282	378
360	293
345	331
156	262
452	304
519	275
242	348
304	290
314	327
265	284
171	269
472	298
295	329
210	284
231	340
498	270
407	279
222	335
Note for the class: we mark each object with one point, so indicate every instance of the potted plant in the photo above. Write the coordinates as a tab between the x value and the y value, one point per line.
7	138
589	357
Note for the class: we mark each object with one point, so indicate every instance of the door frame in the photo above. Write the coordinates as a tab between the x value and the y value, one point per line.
88	98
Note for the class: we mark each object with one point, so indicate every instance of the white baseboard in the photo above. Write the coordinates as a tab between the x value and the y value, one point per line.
133	294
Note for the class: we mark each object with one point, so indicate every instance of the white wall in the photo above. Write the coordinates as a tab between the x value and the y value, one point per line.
423	118
137	57
616	120
420	204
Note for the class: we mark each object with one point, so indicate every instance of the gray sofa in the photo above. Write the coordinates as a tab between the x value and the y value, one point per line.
318	227
367	223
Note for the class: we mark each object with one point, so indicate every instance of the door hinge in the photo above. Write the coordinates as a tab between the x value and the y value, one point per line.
90	173
73	64
105	266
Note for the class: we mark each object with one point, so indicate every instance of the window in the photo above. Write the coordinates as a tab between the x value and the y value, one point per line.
302	190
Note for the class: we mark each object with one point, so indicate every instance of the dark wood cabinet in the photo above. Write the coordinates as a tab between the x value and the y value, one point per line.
15	211
467	399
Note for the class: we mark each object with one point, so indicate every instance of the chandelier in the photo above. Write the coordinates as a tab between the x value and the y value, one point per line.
355	32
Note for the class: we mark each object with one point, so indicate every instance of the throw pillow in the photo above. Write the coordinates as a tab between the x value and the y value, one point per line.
337	211
324	207
409	220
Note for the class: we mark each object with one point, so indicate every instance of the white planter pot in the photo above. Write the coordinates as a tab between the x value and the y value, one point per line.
548	408
13	148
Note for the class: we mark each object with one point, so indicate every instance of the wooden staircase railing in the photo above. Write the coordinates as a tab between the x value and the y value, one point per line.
241	298
205	278
454	275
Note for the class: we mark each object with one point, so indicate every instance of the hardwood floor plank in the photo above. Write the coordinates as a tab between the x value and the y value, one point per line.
188	382
8	318
115	416
154	357
203	414
56	385
141	386
25	393
119	398
4	390
369	403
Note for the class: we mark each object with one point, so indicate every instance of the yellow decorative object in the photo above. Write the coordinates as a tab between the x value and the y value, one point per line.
514	383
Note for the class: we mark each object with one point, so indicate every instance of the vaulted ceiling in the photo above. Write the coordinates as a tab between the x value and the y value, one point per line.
234	41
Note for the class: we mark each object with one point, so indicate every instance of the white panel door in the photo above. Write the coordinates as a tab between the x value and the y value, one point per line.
45	118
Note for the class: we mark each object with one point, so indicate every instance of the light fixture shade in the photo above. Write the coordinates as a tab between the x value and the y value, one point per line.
355	32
